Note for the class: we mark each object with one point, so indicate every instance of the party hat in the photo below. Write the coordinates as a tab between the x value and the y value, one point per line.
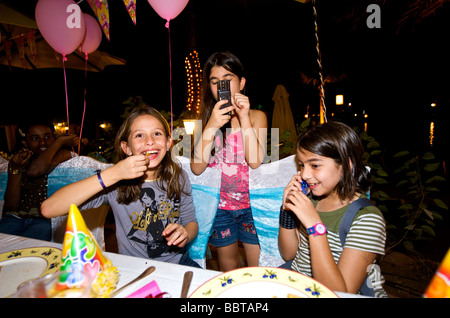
439	286
82	253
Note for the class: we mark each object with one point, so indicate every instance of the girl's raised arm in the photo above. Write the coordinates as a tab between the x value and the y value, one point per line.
79	192
203	146
202	151
255	138
75	193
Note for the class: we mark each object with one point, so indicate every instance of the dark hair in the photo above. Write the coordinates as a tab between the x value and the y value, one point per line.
168	172
24	127
228	61
34	121
339	142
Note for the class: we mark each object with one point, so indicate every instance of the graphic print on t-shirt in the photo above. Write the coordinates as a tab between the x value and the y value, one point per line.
150	222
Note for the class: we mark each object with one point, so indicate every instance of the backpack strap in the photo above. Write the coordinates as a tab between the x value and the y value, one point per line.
349	215
344	228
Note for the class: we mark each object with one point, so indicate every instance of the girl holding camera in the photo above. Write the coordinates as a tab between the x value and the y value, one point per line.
232	139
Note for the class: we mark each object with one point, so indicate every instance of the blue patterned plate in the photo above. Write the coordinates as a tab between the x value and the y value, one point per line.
19	266
262	282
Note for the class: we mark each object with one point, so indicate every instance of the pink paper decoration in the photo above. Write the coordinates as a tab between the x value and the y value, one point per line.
32	46
19	44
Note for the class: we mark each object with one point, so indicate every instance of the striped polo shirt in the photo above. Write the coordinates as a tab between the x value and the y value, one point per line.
367	233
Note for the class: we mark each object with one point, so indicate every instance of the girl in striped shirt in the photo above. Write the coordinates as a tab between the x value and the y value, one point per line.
332	168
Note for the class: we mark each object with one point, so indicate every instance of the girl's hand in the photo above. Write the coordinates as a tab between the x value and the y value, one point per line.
132	167
293	185
68	140
242	104
20	159
296	201
175	234
220	117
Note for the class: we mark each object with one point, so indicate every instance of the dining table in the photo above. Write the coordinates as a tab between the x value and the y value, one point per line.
168	276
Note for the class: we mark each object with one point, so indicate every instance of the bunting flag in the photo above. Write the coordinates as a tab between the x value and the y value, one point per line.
32	45
19	43
101	10
131	8
8	52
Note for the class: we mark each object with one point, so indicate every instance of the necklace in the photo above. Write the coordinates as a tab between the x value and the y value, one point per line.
151	180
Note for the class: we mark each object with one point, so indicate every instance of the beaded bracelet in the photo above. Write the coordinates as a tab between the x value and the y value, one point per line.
100	179
288	220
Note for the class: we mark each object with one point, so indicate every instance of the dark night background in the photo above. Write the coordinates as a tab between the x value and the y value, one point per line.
393	73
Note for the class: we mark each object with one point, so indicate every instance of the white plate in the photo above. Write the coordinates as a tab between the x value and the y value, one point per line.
22	265
262	282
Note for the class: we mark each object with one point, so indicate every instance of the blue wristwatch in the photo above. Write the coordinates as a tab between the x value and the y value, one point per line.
317	229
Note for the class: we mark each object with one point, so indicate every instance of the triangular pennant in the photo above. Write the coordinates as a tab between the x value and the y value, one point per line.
32	45
8	52
101	10
131	8
19	43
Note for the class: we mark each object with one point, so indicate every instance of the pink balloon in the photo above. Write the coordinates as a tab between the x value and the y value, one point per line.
168	9
93	36
61	23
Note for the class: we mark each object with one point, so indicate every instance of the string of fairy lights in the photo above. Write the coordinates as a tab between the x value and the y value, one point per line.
194	82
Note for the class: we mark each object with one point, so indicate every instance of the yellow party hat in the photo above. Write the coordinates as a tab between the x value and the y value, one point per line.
439	286
81	252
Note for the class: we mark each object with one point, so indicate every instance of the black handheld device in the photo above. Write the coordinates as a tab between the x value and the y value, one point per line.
223	92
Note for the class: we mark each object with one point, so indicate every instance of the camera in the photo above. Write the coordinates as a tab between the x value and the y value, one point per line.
223	92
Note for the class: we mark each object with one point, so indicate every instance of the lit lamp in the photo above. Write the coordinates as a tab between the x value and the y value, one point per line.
339	99
189	125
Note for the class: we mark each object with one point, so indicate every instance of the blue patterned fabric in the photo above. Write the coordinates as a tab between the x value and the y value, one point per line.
267	184
206	200
73	170
3	181
265	205
205	194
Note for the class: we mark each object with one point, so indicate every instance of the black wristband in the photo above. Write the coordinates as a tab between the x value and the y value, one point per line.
288	220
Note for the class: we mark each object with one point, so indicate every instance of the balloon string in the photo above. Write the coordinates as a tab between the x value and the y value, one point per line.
67	99
170	66
65	83
84	108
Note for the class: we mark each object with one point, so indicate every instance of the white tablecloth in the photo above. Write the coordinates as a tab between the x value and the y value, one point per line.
169	277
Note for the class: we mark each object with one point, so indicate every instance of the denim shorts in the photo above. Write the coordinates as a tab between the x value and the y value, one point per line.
231	226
